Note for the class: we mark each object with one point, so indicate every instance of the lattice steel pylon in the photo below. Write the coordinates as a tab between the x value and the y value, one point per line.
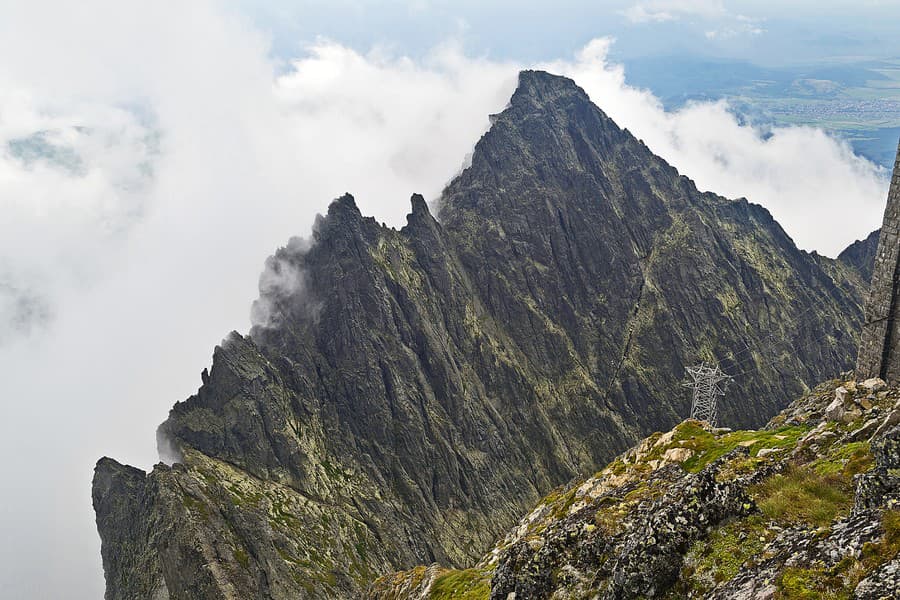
708	384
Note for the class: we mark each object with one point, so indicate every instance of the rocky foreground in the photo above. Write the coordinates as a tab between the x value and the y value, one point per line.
808	507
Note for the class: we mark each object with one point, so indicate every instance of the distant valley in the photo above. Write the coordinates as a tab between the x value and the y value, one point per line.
855	100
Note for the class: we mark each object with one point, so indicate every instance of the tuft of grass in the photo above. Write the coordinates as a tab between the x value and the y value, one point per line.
810	584
816	493
471	584
803	495
846	460
719	557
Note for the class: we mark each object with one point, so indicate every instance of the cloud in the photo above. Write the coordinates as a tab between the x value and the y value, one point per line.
741	25
728	25
658	11
152	159
282	280
149	162
795	172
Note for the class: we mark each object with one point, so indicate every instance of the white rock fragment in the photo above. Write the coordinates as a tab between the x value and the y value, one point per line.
874	384
835	410
664	438
677	454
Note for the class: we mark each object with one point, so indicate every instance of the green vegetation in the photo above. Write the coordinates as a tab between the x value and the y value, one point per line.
816	493
710	448
810	584
707	447
471	584
839	581
719	557
242	557
194	505
560	501
801	494
845	461
874	554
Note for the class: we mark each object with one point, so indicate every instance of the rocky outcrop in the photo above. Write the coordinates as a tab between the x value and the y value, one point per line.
205	529
804	508
640	555
405	395
881	486
860	255
879	344
124	510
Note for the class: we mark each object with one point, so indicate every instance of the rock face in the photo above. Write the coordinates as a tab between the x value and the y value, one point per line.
860	255
406	395
879	347
805	508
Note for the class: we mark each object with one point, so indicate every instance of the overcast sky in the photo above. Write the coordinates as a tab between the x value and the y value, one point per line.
771	32
153	154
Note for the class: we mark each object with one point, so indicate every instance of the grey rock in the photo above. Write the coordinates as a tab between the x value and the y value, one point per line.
428	385
881	486
883	584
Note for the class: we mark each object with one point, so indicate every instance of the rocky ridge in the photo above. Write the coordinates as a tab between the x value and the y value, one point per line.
807	507
407	394
860	255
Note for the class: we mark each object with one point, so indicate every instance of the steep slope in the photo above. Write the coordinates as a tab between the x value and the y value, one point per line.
808	507
604	261
409	393
860	255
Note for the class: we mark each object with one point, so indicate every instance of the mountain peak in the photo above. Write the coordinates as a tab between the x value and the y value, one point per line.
541	88
405	395
346	203
552	131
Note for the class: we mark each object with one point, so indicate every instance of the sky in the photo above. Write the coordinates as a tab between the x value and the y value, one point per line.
153	154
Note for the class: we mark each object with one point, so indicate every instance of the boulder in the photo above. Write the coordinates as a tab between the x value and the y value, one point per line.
880	487
835	410
873	384
866	431
863	403
851	414
892	419
882	584
678	454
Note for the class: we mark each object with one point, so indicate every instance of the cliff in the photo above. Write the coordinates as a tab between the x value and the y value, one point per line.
406	395
860	255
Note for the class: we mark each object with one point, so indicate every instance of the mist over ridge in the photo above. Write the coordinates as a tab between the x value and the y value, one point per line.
151	159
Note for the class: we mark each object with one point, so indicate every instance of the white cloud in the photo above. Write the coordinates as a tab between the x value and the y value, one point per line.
194	157
728	25
151	160
808	180
740	25
656	11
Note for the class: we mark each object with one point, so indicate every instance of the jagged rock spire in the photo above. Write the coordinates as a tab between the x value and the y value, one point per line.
879	347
